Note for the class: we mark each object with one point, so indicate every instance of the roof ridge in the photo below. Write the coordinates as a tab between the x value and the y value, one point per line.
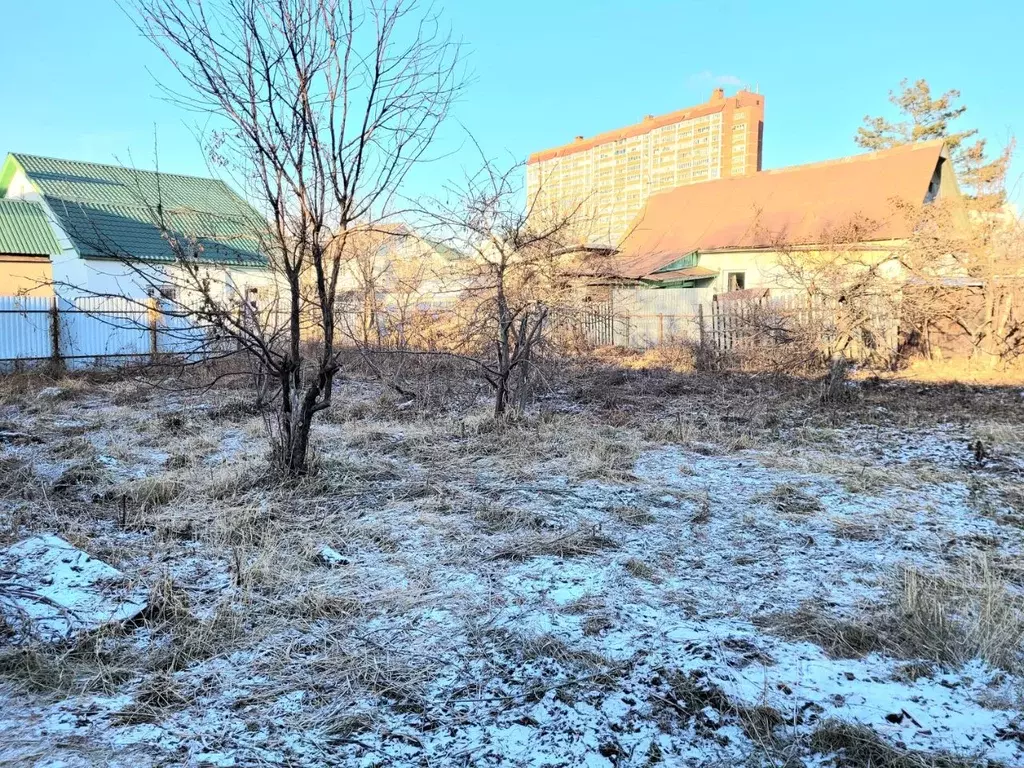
122	168
142	204
835	161
860	157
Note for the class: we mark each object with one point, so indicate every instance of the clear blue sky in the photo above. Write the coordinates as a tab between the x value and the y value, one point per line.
79	82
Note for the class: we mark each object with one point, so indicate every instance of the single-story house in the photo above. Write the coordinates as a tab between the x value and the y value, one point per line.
102	219
727	235
27	244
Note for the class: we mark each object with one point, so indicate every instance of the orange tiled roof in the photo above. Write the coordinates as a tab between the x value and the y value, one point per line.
741	99
795	204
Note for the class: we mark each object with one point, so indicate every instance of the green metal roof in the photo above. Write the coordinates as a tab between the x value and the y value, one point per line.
124	231
25	230
109	210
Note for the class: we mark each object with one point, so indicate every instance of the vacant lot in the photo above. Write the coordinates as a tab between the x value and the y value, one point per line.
653	568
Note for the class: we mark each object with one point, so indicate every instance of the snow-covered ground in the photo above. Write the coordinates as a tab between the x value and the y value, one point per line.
505	609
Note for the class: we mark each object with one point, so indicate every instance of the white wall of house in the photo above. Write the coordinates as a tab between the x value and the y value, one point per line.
763	268
112	277
757	267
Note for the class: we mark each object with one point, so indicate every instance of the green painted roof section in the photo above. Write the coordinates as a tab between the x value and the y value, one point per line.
25	230
110	210
689	260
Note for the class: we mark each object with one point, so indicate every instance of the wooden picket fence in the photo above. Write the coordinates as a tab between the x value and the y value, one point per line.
864	330
734	322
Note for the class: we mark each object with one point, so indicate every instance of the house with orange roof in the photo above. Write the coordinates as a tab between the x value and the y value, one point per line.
727	235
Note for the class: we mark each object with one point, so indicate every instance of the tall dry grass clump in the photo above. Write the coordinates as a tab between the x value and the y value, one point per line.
967	614
949	618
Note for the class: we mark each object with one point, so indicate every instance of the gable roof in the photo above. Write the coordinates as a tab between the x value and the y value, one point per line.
797	205
25	230
108	210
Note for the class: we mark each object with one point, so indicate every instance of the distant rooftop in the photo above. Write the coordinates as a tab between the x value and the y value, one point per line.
796	205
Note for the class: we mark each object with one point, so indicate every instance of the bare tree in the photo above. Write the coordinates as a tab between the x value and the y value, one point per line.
320	108
387	278
966	279
517	253
844	291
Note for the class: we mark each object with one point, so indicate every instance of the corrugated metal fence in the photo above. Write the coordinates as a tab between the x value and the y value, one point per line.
91	331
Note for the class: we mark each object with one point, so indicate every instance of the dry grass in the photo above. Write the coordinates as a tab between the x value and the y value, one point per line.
949	618
856	530
130	392
967	614
153	491
497	517
317	603
692	694
857	746
640	569
548	646
789	499
266	595
634	517
98	662
597	623
569	443
190	640
157	695
834	385
105	659
82	473
576	543
840	638
868	480
349	668
18	479
76	447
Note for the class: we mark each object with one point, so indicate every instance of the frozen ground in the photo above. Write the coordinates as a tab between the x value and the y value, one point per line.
594	594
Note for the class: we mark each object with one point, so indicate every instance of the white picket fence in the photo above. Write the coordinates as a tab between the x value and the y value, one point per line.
91	331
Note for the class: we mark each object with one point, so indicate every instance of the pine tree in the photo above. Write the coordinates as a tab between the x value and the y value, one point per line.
981	178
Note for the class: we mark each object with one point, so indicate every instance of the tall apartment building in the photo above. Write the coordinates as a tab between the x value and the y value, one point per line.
611	175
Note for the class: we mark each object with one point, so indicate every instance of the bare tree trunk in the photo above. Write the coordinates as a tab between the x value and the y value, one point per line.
322	109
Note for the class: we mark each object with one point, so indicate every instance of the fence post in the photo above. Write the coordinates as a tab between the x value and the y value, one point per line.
153	336
55	356
661	329
700	323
